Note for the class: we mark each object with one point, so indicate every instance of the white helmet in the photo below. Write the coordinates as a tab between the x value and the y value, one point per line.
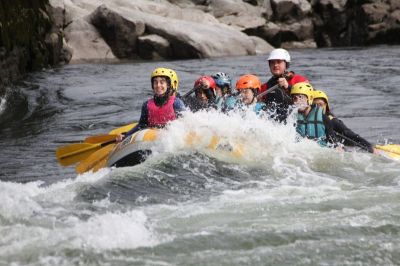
279	54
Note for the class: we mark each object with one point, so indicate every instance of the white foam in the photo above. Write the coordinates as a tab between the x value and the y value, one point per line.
24	201
115	230
260	140
3	102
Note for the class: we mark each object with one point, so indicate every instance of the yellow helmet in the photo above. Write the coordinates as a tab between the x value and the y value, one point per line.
303	88
169	73
322	95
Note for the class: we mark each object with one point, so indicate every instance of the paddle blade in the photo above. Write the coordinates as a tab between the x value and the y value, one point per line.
393	148
73	153
391	151
96	160
122	129
100	138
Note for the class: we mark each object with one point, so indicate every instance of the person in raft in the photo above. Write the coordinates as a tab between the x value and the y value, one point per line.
248	87
223	91
204	89
164	106
278	101
343	133
311	123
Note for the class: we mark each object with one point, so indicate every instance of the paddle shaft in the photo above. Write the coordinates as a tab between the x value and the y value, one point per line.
188	93
352	141
259	96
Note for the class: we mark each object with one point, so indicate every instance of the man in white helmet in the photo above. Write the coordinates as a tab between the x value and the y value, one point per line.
278	101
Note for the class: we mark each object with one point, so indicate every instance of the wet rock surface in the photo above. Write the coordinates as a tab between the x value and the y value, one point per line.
30	38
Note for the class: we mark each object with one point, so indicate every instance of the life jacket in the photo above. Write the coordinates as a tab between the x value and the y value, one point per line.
292	79
312	126
296	78
159	116
258	107
219	101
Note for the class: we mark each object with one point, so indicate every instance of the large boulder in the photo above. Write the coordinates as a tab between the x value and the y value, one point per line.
202	40
237	13
346	23
189	32
154	47
86	43
119	33
262	47
287	34
290	10
331	21
28	39
381	23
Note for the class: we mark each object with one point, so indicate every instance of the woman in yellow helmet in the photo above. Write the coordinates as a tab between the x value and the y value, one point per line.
346	135
311	120
164	106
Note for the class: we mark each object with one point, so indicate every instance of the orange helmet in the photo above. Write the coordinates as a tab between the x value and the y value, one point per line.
248	82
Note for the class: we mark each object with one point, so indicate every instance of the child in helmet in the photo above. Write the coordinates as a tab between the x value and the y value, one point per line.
223	91
204	89
312	123
343	133
278	101
248	87
164	106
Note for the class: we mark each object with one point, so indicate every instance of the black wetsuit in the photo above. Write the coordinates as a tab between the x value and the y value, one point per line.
347	136
278	102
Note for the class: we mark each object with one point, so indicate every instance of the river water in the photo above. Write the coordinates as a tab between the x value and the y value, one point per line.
284	203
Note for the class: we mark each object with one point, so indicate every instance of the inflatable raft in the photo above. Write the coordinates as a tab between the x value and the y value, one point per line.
101	151
136	148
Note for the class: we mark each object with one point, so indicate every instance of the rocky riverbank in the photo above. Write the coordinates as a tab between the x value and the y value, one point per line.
177	29
29	39
38	33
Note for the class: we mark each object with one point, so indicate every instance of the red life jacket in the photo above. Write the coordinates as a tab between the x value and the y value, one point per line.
160	116
296	78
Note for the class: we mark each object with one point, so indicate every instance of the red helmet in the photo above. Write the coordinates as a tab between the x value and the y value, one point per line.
205	82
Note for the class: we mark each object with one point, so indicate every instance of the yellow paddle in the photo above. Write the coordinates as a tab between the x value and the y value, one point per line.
73	153
393	148
390	150
110	136
95	161
100	138
98	159
122	129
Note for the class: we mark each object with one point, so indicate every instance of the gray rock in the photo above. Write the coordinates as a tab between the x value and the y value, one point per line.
310	43
243	22
194	40
119	33
375	13
279	33
86	43
262	47
154	47
290	10
220	8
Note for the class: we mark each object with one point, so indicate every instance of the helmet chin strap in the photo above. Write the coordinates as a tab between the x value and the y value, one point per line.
254	96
